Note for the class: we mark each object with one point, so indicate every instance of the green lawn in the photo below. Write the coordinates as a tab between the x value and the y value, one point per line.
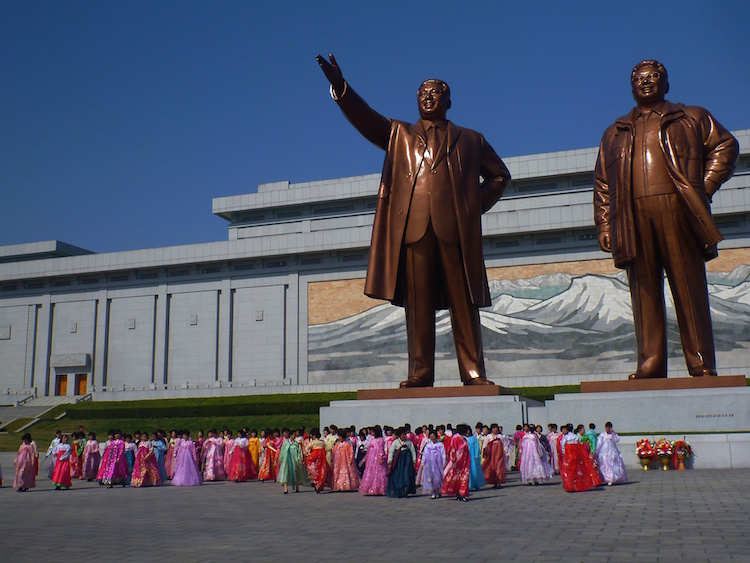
263	411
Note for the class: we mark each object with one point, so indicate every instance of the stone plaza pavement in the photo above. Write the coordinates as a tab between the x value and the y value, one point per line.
688	516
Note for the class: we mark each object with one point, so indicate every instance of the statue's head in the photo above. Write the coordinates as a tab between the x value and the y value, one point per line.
649	82
433	99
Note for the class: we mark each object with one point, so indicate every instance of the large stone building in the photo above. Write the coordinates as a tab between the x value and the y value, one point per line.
279	305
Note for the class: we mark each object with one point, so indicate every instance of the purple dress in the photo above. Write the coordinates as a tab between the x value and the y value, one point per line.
533	465
432	467
375	478
185	465
609	460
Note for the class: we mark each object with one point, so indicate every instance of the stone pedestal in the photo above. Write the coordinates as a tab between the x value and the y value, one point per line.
654	412
506	410
663	384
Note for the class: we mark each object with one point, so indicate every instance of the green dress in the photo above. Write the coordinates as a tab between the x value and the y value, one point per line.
291	470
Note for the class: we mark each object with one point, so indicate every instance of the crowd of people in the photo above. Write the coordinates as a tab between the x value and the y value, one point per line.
441	460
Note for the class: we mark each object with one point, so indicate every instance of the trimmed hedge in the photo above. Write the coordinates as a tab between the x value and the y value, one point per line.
256	405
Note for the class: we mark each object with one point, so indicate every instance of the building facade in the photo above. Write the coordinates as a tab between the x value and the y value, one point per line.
279	305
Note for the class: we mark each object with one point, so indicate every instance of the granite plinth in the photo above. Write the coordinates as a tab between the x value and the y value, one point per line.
506	410
663	384
434	392
670	410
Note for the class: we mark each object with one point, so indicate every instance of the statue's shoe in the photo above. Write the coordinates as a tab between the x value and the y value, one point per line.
415	382
702	371
478	381
645	375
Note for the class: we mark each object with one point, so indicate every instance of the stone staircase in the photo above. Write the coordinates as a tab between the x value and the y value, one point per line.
35	408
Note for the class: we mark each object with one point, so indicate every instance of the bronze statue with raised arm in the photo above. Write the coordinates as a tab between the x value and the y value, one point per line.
426	249
657	171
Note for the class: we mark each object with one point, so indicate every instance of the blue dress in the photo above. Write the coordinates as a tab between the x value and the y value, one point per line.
160	448
476	475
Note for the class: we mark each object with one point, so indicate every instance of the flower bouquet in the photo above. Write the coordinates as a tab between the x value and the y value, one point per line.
681	451
646	453
664	452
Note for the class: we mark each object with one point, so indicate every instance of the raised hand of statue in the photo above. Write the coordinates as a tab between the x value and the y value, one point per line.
332	72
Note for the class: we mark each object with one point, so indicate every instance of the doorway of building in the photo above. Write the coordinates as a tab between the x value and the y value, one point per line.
61	384
82	380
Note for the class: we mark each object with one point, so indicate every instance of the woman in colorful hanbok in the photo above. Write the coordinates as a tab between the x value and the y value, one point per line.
131	449
608	457
577	471
160	452
24	464
185	463
345	474
476	476
456	477
228	446
269	468
432	466
291	470
241	466
199	441
402	459
51	452
533	470
90	458
375	478
315	460
552	439
253	446
360	452
76	456
494	465
213	458
61	474
114	467
169	456
145	468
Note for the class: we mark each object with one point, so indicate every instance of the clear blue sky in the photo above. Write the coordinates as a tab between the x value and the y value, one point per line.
120	121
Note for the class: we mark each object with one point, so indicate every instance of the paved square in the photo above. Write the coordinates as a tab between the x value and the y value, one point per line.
688	516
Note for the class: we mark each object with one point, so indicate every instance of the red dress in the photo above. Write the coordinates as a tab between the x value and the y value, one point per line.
317	466
577	471
493	466
270	467
61	474
457	471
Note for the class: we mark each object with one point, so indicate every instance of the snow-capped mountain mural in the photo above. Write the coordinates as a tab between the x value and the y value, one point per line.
549	325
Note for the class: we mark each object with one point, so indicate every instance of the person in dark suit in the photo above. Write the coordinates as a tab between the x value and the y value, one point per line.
657	170
426	251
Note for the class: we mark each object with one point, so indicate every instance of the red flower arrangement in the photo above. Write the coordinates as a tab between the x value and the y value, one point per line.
645	450
681	451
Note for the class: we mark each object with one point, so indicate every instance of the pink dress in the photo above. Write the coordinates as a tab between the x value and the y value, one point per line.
25	468
375	478
114	467
345	474
145	468
213	460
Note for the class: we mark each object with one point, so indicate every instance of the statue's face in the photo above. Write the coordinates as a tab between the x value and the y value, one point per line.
432	101
649	86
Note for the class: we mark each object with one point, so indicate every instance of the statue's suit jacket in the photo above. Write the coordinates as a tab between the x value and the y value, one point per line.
700	155
468	157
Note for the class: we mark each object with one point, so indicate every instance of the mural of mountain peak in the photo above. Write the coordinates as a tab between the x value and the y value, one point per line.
546	330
